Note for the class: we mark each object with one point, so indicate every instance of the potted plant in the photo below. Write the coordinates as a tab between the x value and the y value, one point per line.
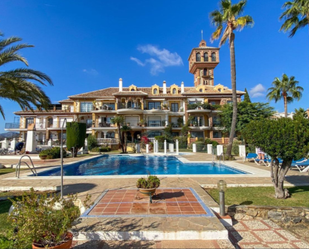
44	220
148	186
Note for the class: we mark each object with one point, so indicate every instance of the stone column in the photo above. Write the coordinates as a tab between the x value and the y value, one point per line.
165	145
147	148
219	150
242	151
13	143
209	148
177	147
166	120
194	148
31	142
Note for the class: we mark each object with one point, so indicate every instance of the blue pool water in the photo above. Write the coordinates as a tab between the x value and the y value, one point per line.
141	165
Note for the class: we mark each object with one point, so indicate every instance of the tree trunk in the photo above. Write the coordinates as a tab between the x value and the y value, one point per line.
285	105
120	138
234	95
278	175
125	142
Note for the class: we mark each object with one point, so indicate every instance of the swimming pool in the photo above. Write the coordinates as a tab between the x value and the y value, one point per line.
140	165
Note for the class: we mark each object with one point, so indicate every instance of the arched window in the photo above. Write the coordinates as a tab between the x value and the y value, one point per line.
198	57
205	72
201	90
206	56
174	90
155	91
132	90
213	56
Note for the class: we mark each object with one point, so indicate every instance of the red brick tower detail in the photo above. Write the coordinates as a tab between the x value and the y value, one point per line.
202	62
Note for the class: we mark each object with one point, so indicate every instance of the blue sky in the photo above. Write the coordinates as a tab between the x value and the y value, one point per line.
88	45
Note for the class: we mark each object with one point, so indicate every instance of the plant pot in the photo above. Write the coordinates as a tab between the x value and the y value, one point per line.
65	245
147	191
43	157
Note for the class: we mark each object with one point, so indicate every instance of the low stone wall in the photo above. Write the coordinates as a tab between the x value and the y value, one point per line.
286	215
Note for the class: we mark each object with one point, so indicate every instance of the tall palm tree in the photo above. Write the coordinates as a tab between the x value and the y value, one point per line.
296	16
17	85
228	15
119	120
285	88
124	130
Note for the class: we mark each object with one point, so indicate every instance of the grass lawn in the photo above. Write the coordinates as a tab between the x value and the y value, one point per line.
7	170
262	196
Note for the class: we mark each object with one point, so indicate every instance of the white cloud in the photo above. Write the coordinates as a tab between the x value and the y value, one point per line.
137	61
160	58
257	91
91	71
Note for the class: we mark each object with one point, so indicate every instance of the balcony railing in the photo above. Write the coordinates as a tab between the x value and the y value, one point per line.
123	106
204	106
156	123
107	140
11	125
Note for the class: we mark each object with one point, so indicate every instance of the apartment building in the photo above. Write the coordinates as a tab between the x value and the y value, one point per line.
147	110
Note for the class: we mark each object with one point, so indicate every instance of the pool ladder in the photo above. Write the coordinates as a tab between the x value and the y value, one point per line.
33	170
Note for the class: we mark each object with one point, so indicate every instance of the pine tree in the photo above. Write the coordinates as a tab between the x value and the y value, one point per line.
247	97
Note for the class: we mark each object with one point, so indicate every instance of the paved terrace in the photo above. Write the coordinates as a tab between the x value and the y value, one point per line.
244	233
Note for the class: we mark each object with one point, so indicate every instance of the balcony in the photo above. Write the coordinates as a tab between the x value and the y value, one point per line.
123	109
11	125
107	141
156	123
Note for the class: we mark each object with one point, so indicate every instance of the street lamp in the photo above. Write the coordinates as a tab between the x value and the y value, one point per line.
221	187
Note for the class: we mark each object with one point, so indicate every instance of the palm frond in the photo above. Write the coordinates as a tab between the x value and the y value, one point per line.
238	8
216	18
215	35
8	41
225	36
1	111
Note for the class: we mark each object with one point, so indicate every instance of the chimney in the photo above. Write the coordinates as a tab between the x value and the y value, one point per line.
120	85
182	87
164	87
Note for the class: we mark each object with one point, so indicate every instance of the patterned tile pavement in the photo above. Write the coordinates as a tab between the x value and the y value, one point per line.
132	202
263	234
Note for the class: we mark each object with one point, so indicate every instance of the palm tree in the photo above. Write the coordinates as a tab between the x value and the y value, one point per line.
17	85
287	89
118	120
124	130
229	16
296	16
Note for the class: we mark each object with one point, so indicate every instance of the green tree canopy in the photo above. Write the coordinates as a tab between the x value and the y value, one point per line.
280	138
76	134
286	89
247	112
229	16
17	84
246	96
295	16
300	113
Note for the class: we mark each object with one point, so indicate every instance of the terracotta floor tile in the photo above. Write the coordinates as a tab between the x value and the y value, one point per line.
184	204
195	204
122	210
113	205
101	205
116	200
198	209
186	209
110	210
98	209
186	213
173	209
200	212
95	213
108	213
125	205
173	204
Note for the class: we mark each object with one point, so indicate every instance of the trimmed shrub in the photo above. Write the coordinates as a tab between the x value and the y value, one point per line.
91	142
76	134
209	141
52	153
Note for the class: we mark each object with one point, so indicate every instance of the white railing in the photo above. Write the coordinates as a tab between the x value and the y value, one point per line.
107	140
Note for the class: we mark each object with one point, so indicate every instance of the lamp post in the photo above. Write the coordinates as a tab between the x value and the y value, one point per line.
222	187
61	155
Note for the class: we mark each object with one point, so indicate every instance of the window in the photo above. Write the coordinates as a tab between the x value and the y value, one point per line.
86	107
217	134
50	122
201	90
174	90
174	107
175	134
197	134
154	105
154	133
229	102
155	91
206	56
213	56
216	121
110	134
205	72
29	121
198	57
132	90
88	123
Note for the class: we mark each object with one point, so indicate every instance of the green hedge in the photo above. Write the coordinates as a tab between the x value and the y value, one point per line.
101	149
52	153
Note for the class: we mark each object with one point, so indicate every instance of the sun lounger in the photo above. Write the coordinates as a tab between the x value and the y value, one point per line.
302	166
251	156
